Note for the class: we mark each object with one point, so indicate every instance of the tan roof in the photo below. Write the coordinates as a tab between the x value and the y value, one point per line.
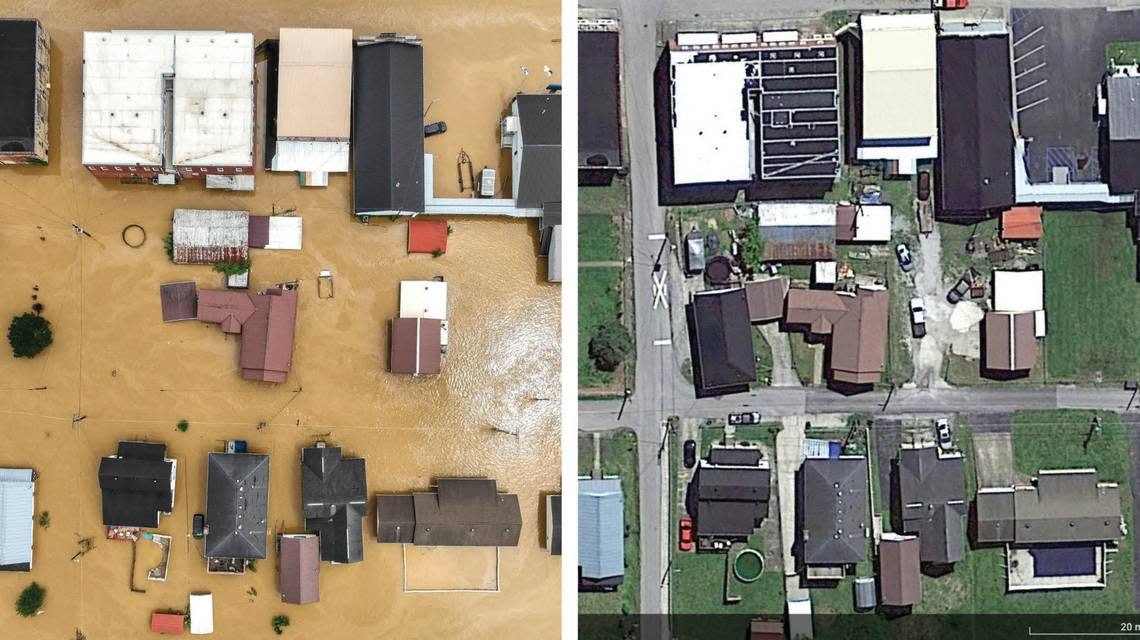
856	323
994	518
1067	506
766	299
1011	344
314	96
900	584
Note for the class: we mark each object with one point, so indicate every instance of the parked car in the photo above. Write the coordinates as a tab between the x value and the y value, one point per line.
944	434
199	529
906	262
686	541
690	454
960	289
751	417
917	317
923	186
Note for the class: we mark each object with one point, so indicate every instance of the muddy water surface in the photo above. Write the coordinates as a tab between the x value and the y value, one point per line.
493	411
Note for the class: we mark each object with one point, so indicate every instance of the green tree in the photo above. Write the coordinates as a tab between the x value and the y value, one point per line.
168	245
232	268
182	426
279	623
752	246
29	334
31	599
610	346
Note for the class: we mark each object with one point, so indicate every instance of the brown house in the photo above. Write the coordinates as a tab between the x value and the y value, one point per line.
266	323
854	325
1011	344
900	581
300	576
766	299
464	512
415	346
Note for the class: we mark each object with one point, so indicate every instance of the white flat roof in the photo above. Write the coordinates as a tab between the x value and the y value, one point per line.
795	214
322	156
213	99
201	613
423	299
122	96
284	233
123	123
710	138
899	76
1019	291
873	223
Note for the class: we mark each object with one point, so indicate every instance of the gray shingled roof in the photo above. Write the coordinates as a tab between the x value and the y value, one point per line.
540	124
237	505
1124	108
933	498
601	529
834	510
334	499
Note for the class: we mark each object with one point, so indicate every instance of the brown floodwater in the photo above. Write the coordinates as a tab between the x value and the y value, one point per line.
494	411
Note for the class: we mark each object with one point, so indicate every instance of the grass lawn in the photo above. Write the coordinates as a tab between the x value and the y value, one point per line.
763	358
599	291
698	588
803	356
598	239
1123	53
619	457
1055	440
1093	306
611	200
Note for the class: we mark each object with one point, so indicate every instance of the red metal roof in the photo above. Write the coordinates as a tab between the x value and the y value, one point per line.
169	623
427	236
1021	223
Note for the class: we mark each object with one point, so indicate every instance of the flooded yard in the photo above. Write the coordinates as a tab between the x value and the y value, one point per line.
493	412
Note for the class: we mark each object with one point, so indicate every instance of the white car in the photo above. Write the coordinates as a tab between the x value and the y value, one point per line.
917	317
944	434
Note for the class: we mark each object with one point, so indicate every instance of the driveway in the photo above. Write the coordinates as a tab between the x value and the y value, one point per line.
888	434
993	449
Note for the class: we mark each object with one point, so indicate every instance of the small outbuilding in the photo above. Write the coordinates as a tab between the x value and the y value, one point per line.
1022	223
201	613
300	573
900	578
427	236
415	347
167	623
17	518
179	301
204	236
766	299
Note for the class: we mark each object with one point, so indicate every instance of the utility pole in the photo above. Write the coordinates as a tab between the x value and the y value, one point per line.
624	400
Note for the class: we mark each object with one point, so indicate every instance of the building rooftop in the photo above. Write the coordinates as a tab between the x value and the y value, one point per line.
731	492
601	529
17	518
204	236
415	346
334	501
314	84
856	324
299	577
18	117
1011	344
599	110
1065	505
899	76
932	492
137	485
467	512
237	505
832	504
766	299
720	341
1021	223
1123	107
900	579
1018	291
537	160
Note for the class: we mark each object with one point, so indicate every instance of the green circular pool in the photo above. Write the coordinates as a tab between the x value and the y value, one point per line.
748	565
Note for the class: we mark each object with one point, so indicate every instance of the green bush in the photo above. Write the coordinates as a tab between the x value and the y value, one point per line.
168	244
29	334
232	268
752	246
279	623
182	426
609	347
31	599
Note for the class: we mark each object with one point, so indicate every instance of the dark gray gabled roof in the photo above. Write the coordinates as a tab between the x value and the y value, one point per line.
1124	108
554	504
540	125
720	341
466	512
388	127
551	217
732	491
237	505
18	85
334	498
834	511
933	498
136	485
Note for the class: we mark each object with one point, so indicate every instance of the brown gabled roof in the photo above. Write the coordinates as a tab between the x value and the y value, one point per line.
1011	342
856	324
900	582
766	299
230	309
267	336
845	223
415	346
179	301
459	512
300	573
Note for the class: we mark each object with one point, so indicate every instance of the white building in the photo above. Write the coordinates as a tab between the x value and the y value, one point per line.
167	102
899	89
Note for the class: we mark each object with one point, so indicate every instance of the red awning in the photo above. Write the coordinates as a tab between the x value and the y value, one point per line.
427	236
170	623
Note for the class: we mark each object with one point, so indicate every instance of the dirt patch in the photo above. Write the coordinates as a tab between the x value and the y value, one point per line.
993	459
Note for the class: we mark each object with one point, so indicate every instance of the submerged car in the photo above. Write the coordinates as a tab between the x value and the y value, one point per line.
917	317
906	261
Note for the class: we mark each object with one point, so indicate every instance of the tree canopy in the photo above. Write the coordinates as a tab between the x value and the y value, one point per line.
29	334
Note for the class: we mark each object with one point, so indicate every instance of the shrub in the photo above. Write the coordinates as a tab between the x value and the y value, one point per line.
29	334
45	520
168	244
232	268
182	426
279	623
610	345
31	599
752	246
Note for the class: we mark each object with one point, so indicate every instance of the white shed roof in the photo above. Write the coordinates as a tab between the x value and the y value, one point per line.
1018	291
213	99
873	223
17	516
201	613
710	138
899	76
423	299
284	233
796	214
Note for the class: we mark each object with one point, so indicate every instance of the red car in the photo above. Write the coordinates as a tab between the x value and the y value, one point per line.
686	534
